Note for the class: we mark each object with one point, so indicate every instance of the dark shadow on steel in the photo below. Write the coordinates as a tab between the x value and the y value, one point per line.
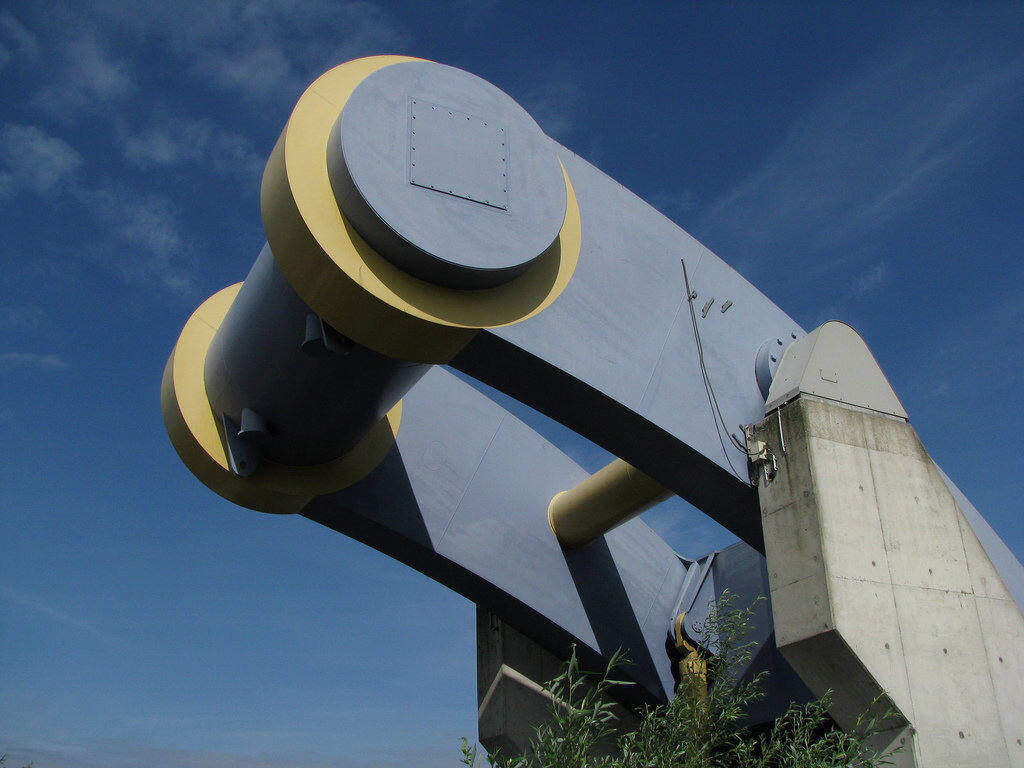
608	607
381	511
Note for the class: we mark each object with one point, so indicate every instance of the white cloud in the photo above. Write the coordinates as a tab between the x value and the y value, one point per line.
151	245
150	222
36	160
20	39
7	185
145	223
261	50
260	73
179	141
866	155
871	280
89	78
48	362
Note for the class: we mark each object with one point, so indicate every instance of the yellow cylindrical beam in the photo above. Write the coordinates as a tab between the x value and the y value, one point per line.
605	500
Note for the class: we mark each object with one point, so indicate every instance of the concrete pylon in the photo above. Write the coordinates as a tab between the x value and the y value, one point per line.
880	590
512	676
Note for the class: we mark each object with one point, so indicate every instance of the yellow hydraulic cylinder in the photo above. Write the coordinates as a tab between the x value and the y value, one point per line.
605	500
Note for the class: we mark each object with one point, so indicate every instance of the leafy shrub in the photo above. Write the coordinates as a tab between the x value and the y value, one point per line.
704	726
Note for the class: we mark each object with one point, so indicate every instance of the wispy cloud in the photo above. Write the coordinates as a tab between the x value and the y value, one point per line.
17	38
261	73
871	279
866	155
89	78
674	203
46	362
552	101
35	159
179	141
45	608
148	225
263	51
26	319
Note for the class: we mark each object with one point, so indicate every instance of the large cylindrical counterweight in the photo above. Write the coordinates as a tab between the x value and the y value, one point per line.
315	392
407	205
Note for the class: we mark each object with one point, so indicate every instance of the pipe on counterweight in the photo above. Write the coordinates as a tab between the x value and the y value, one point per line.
605	500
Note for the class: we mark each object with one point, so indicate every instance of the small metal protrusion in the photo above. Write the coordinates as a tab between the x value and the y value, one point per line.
314	344
243	455
707	306
321	339
726	305
252	425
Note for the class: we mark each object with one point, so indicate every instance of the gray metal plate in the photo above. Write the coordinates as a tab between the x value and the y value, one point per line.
476	227
457	154
464	497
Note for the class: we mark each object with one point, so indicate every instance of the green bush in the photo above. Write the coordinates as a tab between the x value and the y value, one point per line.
703	726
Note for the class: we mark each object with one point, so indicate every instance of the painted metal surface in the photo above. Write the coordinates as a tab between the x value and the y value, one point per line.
466	505
456	153
833	362
626	356
257	362
446	175
605	500
616	360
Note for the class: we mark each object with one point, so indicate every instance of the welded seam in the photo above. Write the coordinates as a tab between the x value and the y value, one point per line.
661	354
655	596
469	484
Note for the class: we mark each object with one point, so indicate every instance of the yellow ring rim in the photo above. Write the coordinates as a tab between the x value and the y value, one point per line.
198	437
354	288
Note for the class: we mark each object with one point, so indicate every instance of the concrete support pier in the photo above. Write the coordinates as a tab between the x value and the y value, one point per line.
511	677
881	591
512	671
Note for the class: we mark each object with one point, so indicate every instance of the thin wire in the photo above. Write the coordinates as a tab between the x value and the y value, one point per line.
704	378
716	410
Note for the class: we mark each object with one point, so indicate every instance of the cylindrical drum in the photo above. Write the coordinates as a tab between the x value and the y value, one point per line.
316	392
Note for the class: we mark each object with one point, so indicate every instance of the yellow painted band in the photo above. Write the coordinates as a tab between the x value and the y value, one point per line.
354	288
608	498
197	434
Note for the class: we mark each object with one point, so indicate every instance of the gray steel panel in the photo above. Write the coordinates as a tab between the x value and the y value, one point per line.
463	498
440	236
615	359
457	153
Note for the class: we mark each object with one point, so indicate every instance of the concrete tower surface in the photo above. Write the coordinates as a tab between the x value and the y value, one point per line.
880	589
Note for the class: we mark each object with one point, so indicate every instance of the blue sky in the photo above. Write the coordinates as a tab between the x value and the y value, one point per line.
854	161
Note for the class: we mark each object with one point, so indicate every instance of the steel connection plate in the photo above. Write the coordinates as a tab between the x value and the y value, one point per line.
458	154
